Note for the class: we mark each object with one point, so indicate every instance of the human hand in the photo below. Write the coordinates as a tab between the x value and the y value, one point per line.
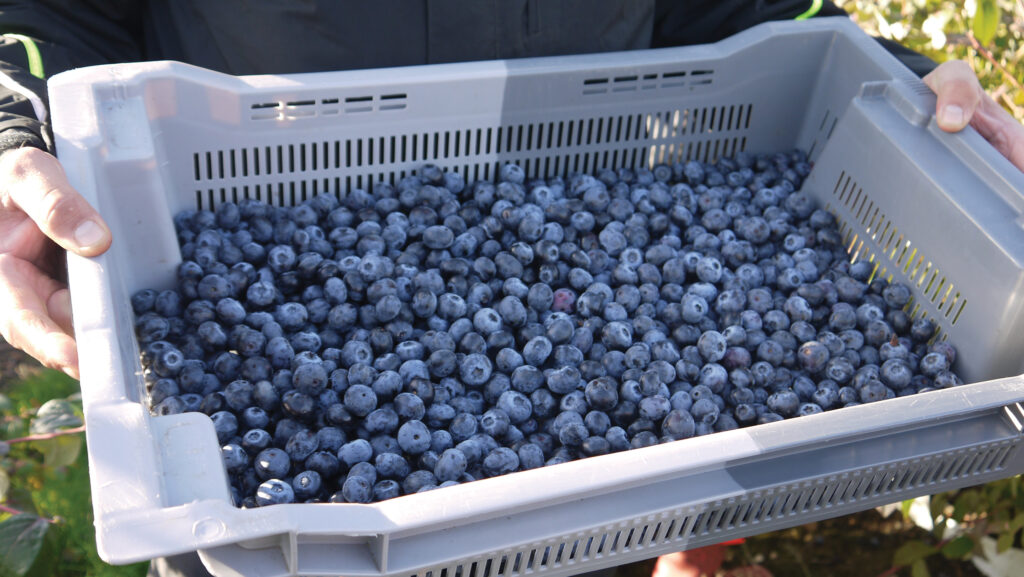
961	100
40	214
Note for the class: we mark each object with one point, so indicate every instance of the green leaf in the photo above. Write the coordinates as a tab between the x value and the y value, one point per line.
12	427
919	569
967	502
21	538
1004	542
50	554
5	403
958	548
912	551
1017	523
5	485
60	451
937	506
54	415
986	21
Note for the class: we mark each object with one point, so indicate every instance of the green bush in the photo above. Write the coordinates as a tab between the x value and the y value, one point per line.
987	34
46	521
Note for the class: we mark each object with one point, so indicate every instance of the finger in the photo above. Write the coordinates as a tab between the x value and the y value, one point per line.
24	319
37	185
59	308
1001	130
958	92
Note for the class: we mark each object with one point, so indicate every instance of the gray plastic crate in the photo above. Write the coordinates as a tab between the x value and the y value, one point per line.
941	212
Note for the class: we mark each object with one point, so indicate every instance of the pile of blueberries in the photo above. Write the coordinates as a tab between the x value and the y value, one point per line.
358	347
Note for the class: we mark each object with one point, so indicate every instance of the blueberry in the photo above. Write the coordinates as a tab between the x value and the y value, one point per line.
301	445
274	492
365	470
712	346
143	301
356	451
945	349
213	287
451	306
537	350
392	466
168	362
785	403
531	456
357	489
562	380
386	489
475	369
291	316
922	330
451	465
414	437
933	363
381	421
812	356
487	320
272	463
516	405
946	379
306	485
508	360
409	406
512	173
310	379
360	400
225	424
500	461
495	423
896	374
234	457
255	440
872	391
601	393
896	295
563	300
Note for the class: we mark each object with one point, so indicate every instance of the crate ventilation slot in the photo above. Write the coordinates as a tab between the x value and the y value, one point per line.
825	128
650	81
702	524
868	234
294	109
286	174
1015	414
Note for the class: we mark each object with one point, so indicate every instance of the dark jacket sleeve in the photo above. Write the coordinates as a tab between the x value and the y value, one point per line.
700	22
66	34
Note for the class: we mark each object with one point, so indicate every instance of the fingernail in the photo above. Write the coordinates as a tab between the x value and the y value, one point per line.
953	116
89	233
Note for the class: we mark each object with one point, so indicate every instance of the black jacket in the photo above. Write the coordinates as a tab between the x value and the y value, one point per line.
45	37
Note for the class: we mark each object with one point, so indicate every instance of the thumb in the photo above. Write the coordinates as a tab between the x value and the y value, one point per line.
34	181
958	92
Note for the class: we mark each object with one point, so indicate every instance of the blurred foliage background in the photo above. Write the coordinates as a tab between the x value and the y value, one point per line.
987	34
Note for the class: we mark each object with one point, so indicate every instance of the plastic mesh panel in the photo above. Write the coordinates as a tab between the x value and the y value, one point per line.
869	234
700	524
286	174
